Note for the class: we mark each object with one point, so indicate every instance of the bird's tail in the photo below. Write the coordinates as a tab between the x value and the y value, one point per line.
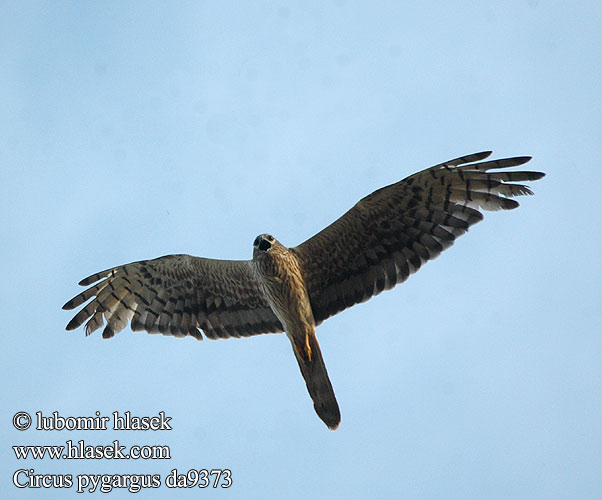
308	354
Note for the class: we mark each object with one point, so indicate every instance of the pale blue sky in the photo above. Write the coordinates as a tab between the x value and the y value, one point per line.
131	130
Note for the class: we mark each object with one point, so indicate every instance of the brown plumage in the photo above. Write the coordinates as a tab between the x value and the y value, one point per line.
377	244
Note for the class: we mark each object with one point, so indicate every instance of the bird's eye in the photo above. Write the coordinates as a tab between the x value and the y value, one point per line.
270	237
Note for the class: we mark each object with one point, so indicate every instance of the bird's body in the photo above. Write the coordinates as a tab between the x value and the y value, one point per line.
278	271
377	244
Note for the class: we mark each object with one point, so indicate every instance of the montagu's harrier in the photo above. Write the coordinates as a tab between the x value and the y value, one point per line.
377	244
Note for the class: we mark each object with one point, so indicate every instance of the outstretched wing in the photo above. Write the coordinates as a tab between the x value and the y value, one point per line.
176	295
390	233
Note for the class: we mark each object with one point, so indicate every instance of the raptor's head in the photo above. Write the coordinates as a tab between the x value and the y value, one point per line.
263	243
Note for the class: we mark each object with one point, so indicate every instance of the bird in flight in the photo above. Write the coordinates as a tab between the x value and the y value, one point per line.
384	238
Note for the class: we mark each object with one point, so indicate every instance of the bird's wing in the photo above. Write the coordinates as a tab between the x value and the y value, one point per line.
390	233
176	295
